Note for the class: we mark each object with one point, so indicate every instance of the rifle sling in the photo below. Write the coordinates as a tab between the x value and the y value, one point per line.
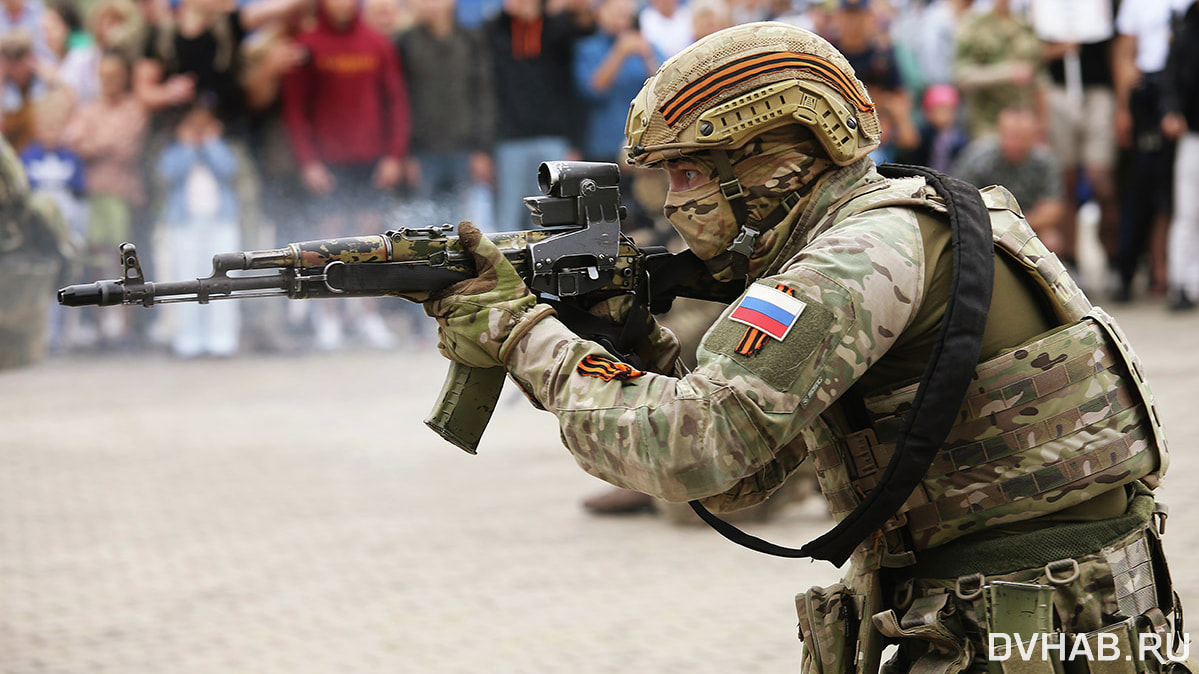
941	389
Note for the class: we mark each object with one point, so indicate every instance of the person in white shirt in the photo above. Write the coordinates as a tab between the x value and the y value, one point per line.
667	26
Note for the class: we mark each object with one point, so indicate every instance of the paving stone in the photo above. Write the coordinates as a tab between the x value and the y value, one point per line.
294	515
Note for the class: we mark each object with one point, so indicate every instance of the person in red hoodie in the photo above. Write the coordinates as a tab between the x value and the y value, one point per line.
346	111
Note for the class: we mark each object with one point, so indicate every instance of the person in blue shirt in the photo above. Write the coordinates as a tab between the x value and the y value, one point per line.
201	216
58	173
51	166
609	69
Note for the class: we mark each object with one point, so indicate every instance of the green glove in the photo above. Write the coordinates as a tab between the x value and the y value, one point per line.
480	319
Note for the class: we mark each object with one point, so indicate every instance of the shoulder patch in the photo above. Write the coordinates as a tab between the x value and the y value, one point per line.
607	369
771	311
766	315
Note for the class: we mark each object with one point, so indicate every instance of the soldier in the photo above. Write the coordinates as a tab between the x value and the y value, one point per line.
35	252
862	329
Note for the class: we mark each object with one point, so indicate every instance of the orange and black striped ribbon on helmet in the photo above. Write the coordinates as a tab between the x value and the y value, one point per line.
754	339
742	70
607	369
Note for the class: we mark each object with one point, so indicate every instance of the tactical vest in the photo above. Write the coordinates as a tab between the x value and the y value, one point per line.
1047	425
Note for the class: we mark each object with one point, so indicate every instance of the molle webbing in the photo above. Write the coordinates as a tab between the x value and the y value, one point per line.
1007	554
1050	425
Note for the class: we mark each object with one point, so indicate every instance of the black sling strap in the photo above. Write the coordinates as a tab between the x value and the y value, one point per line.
941	389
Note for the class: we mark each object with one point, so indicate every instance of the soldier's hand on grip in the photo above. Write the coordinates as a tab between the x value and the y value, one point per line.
481	318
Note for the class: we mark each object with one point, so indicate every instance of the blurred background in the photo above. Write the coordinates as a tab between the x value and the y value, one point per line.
248	487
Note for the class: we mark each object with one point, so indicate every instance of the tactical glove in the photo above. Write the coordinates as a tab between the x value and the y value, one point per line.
480	319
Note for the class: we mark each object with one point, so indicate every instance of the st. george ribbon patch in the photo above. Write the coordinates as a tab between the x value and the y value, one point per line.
769	310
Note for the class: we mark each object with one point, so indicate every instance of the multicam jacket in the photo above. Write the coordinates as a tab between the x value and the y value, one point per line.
1048	425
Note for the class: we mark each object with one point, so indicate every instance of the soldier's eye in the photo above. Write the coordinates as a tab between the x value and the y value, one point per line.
685	176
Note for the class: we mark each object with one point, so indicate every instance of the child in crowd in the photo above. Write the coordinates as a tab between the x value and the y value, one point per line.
57	172
201	216
941	136
52	166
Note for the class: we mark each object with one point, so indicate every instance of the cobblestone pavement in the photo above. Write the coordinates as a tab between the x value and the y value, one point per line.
294	515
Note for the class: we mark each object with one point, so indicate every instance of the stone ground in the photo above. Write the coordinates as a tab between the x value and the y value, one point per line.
292	514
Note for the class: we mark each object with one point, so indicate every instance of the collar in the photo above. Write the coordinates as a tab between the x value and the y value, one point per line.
831	192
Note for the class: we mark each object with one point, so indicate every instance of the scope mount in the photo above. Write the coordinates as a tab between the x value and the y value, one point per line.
583	200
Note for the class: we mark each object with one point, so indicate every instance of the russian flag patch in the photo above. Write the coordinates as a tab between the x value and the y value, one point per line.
769	310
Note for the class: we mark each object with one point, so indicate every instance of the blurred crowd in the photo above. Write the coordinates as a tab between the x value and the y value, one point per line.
201	126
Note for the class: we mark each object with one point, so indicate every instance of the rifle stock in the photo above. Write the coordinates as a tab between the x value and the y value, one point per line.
578	257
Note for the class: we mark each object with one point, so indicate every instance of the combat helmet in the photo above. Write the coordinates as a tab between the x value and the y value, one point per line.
740	82
733	86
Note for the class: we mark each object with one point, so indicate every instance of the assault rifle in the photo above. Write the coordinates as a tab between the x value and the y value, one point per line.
577	257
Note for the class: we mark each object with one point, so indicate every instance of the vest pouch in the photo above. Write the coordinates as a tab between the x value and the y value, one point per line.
1021	615
828	627
1124	648
931	637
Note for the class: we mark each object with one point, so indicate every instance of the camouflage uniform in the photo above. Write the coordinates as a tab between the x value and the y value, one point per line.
1044	478
986	44
35	251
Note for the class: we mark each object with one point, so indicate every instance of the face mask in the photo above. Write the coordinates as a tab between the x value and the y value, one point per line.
769	167
702	217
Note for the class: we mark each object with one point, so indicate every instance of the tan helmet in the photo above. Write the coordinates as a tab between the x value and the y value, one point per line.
737	83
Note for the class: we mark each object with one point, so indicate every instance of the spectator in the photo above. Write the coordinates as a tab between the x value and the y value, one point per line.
57	174
1180	100
860	37
1139	57
929	32
448	72
804	14
1081	133
472	14
113	24
388	17
667	26
60	22
709	16
941	136
1014	159
347	118
537	115
108	133
995	65
23	86
268	55
196	49
746	11
609	69
200	214
53	168
25	16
